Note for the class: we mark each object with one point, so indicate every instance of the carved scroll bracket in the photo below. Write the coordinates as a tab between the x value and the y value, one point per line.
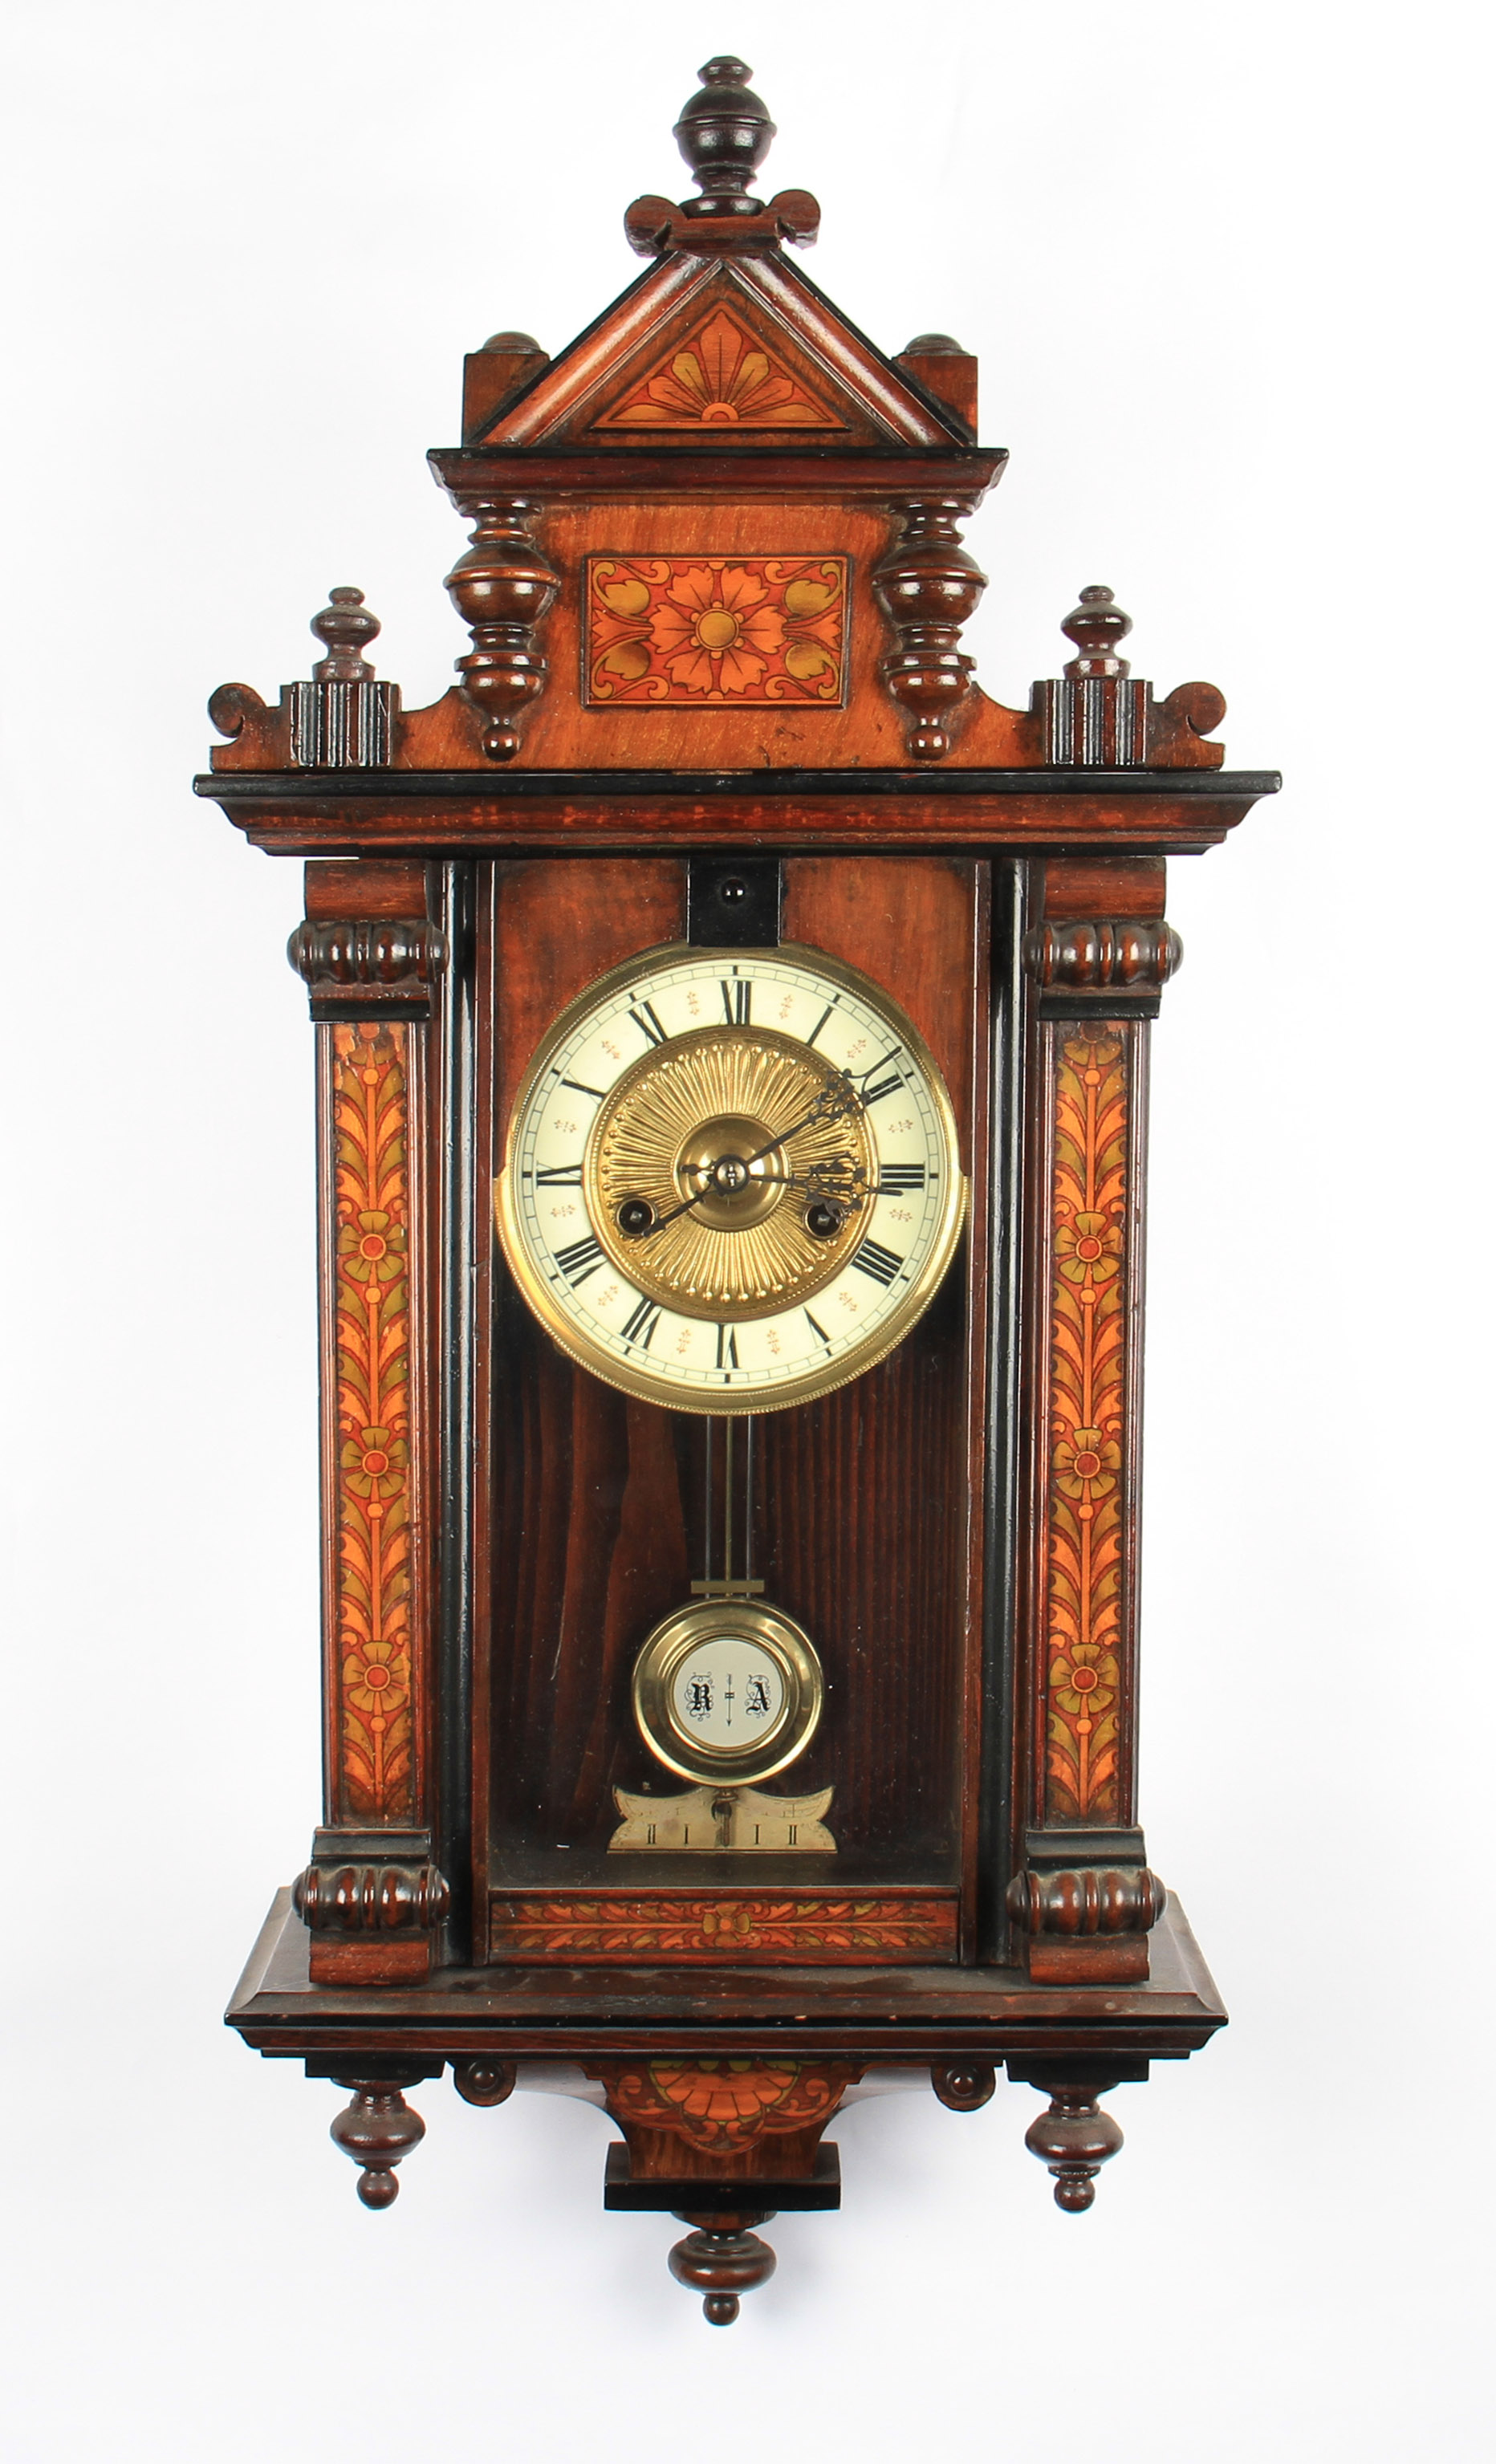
929	585
502	588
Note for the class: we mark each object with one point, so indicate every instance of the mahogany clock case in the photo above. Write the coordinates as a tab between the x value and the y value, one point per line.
716	696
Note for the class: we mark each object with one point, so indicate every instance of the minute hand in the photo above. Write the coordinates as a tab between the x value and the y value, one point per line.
832	1104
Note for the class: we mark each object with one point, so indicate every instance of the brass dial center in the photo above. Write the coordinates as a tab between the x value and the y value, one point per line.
729	1172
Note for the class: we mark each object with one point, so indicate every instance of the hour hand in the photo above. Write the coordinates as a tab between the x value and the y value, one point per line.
637	1219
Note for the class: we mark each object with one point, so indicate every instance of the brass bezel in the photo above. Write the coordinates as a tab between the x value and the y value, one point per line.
684	1632
736	1402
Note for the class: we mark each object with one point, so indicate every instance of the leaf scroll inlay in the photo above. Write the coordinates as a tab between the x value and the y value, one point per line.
1083	1569
375	1776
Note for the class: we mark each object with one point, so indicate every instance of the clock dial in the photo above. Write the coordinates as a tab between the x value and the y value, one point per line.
728	1690
732	1179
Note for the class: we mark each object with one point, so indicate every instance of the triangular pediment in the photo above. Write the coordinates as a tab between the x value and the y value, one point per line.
721	374
712	350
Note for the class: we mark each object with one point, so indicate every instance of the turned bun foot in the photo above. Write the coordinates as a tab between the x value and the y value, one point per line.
484	2082
721	2260
965	2087
377	2129
1074	2138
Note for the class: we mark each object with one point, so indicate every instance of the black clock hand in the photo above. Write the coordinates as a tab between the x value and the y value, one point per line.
832	1104
835	1176
684	1208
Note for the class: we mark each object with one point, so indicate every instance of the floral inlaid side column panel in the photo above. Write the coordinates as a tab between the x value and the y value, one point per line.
371	1895
1092	1072
1083	1896
374	1748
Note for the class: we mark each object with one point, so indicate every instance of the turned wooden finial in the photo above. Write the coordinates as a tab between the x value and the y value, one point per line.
722	2260
724	132
377	2129
1096	628
346	627
1074	2138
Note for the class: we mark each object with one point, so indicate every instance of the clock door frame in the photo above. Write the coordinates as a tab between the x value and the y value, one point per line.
922	925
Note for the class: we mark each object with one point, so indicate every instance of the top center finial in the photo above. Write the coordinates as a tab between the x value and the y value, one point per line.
724	133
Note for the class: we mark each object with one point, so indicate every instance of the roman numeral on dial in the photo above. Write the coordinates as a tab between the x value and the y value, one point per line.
641	1325
580	1260
647	1025
884	1087
561	1176
881	1263
737	1003
727	1347
898	1177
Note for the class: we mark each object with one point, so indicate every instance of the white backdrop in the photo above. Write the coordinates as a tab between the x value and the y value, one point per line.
1219	263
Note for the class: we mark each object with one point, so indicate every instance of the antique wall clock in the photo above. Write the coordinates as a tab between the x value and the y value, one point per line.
731	1044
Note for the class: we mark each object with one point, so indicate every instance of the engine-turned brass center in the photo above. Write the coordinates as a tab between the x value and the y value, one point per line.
712	1188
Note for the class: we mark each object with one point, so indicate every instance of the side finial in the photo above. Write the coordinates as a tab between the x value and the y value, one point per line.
1097	627
724	132
346	627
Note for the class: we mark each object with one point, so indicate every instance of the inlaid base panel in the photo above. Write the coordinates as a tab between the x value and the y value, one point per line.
816	1929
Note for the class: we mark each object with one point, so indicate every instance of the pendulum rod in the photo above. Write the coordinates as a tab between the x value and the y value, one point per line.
726	1549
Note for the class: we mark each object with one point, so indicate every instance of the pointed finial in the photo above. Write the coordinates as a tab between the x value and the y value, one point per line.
1097	627
724	132
347	625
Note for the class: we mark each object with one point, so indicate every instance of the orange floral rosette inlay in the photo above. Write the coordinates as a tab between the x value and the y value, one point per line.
672	629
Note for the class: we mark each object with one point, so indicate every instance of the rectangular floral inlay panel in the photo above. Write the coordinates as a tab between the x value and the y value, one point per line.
719	629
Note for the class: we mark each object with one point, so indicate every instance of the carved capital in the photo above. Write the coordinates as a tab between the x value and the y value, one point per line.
371	1898
928	585
1104	955
1085	1900
365	966
501	588
372	1901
